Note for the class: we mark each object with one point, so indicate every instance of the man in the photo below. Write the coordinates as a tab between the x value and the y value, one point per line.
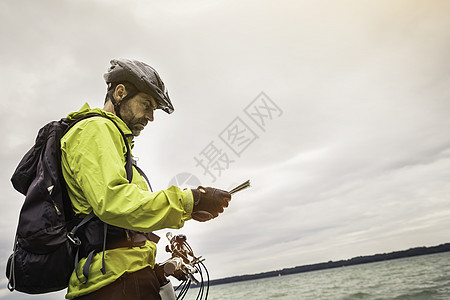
94	155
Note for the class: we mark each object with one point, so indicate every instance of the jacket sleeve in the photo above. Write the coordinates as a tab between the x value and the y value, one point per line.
93	160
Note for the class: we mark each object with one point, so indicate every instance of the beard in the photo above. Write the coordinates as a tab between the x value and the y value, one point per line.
136	126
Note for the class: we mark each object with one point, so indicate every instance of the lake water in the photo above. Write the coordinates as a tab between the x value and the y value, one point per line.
424	277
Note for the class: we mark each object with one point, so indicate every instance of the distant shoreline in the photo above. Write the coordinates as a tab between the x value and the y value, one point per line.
336	264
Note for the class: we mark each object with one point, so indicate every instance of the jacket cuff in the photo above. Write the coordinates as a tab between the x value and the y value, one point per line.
188	204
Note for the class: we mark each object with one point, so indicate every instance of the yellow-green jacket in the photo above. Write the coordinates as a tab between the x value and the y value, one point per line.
93	160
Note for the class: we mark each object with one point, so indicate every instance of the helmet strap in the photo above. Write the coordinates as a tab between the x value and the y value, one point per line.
132	91
116	104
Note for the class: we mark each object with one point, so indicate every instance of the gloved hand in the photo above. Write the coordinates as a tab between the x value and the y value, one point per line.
208	203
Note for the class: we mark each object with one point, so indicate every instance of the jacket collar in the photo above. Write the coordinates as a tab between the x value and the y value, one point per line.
85	109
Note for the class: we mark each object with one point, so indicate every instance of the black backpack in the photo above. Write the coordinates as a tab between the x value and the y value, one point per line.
46	244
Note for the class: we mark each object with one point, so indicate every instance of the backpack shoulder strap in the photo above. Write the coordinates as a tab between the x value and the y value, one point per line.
129	160
143	175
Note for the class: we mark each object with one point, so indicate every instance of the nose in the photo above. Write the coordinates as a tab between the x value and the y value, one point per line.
149	116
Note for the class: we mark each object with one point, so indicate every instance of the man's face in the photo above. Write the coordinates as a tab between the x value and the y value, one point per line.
137	111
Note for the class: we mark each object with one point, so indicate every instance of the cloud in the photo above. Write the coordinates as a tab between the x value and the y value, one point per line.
356	164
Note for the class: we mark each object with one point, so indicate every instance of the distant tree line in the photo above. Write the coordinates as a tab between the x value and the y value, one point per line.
335	264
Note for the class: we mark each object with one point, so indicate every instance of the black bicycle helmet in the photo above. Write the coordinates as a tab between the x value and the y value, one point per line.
143	77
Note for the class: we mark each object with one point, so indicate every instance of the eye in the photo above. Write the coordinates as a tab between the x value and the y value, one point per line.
148	105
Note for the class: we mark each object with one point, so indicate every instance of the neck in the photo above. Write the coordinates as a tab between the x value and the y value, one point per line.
109	107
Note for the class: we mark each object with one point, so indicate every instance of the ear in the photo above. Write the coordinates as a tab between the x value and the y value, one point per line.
120	92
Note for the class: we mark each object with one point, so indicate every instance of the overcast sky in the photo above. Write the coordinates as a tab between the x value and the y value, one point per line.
337	111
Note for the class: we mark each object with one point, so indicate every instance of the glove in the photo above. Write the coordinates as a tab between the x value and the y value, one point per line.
209	203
